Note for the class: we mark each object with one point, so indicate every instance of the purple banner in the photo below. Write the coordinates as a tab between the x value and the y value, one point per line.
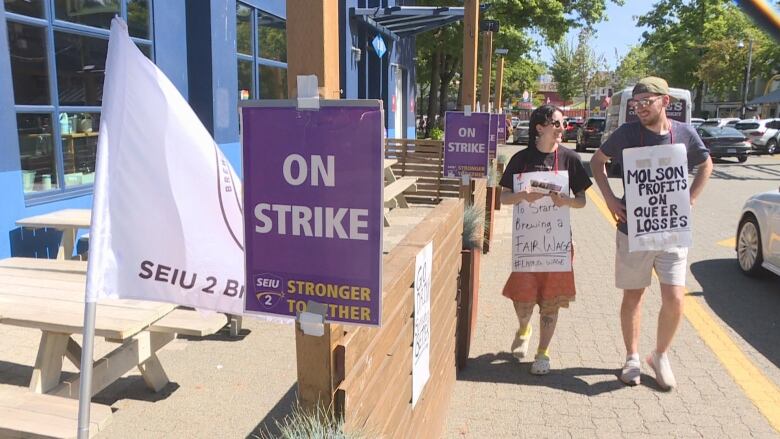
313	208
466	144
493	140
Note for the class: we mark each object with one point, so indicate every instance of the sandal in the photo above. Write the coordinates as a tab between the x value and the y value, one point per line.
521	342
541	365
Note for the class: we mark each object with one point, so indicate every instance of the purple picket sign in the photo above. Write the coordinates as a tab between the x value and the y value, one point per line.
466	141
493	143
501	128
313	208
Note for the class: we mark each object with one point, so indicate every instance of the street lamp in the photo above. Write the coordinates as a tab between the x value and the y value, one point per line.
741	45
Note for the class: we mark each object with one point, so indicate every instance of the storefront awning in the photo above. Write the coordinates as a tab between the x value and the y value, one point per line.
771	98
404	21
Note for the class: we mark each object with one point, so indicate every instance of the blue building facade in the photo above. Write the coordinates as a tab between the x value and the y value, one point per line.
217	52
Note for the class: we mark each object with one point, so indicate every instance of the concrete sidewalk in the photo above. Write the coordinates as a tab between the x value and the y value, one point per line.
496	397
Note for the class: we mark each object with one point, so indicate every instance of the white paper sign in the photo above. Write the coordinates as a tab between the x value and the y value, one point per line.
167	221
422	322
541	231
658	199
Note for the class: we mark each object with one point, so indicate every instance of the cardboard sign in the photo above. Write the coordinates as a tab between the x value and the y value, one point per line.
421	354
466	144
313	184
541	231
658	200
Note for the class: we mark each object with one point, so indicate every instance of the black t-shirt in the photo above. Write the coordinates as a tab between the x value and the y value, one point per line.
533	160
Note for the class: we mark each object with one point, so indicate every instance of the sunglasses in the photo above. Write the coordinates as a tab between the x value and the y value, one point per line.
555	123
642	103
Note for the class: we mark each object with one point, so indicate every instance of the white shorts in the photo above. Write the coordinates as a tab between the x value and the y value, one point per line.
634	270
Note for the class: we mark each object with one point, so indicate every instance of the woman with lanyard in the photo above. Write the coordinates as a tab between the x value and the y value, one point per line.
538	180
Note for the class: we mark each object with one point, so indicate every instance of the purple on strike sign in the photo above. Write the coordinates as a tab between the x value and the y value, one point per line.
466	144
495	134
313	208
501	128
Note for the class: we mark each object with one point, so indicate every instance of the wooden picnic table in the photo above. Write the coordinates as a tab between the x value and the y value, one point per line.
67	220
49	295
395	187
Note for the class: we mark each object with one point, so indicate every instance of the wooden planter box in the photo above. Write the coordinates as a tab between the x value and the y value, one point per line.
489	215
468	294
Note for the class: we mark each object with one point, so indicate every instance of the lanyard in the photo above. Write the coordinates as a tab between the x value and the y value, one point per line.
642	136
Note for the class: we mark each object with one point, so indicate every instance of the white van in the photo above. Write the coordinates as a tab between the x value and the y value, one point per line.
618	112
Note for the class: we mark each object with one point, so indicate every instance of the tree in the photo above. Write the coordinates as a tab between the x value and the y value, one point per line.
633	66
695	42
441	56
589	67
562	70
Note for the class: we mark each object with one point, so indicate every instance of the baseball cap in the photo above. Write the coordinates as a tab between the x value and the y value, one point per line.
652	84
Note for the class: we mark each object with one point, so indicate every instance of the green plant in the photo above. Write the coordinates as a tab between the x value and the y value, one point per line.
473	227
437	133
308	424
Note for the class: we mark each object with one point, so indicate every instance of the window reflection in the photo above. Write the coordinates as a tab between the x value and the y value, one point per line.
96	13
80	68
79	146
243	29
138	18
36	150
273	82
271	37
245	88
33	8
29	69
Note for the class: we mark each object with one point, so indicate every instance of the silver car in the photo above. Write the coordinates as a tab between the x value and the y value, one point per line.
758	235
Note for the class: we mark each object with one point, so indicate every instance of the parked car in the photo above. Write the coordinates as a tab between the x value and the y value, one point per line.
571	130
696	121
520	136
762	133
758	234
725	142
589	134
720	121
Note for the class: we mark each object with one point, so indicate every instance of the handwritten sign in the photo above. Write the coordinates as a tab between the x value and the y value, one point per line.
541	231
313	183
421	355
466	144
658	201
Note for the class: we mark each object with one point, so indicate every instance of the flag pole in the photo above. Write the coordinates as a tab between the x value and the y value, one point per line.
85	385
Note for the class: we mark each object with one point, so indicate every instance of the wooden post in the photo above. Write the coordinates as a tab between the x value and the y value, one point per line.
313	49
470	32
487	56
499	84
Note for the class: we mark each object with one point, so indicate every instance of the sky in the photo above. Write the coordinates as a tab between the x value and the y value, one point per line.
619	32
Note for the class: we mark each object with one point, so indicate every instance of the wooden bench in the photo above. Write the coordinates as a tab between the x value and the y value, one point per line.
190	322
393	193
24	414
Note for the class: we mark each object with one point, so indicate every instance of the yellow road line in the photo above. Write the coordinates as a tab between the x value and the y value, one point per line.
760	389
729	242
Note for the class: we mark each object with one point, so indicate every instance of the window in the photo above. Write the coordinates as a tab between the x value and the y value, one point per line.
58	52
261	46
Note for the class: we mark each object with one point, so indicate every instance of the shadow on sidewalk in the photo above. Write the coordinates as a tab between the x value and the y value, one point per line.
504	368
747	305
284	407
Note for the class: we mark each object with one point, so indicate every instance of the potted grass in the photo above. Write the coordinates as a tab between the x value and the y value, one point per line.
468	282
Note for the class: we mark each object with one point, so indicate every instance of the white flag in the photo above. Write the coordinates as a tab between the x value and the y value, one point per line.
167	214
